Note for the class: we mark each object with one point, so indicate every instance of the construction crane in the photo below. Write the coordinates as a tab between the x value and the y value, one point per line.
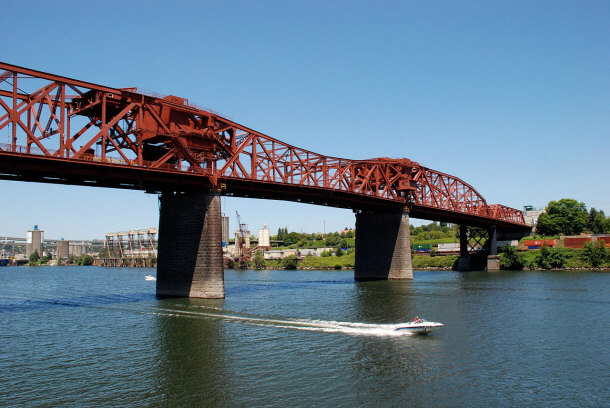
243	250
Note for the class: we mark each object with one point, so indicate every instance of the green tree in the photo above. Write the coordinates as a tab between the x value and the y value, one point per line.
259	260
510	258
290	262
291	238
549	258
281	234
34	257
86	260
594	253
566	216
592	215
332	240
598	222
107	253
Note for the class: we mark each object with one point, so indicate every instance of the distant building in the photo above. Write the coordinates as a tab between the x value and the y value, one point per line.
63	249
301	252
246	238
225	230
530	215
77	249
34	242
263	237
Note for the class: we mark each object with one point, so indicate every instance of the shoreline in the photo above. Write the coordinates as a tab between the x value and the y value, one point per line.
345	268
428	268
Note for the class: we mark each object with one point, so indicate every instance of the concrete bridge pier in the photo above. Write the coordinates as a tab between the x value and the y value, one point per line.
383	245
464	263
190	250
493	259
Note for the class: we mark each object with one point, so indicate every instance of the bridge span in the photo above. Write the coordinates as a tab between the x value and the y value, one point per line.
69	131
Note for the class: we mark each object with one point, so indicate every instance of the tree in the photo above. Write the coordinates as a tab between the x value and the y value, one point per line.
566	216
107	253
290	262
332	240
598	222
291	238
281	234
592	215
595	254
259	260
549	258
510	258
34	257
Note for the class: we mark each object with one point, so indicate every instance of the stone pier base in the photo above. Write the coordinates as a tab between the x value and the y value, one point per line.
464	264
190	250
493	262
383	246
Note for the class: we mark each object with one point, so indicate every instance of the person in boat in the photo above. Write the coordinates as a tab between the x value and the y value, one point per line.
416	320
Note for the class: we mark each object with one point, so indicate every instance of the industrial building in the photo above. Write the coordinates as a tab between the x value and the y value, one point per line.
531	214
34	242
135	248
19	249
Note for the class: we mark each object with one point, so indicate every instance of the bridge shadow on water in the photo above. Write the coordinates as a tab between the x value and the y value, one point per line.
250	287
191	354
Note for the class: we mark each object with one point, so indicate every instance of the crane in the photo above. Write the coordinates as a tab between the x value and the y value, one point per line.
243	250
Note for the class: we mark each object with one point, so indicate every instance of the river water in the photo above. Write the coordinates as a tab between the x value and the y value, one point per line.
90	337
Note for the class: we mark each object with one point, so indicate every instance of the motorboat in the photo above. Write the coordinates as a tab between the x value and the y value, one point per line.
418	326
150	278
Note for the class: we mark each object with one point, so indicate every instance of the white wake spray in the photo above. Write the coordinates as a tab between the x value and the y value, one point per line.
327	326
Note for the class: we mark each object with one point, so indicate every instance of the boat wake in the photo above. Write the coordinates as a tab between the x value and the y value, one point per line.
326	326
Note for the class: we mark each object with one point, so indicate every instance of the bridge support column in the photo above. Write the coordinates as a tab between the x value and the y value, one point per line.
464	263
190	249
383	246
493	259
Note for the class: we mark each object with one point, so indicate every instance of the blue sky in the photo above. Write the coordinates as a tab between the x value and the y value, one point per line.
512	97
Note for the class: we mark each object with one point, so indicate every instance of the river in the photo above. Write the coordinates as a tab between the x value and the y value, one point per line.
92	336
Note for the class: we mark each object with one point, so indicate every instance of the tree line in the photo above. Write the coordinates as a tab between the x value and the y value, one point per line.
570	217
434	231
343	239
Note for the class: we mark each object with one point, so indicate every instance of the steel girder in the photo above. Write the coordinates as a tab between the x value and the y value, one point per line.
58	118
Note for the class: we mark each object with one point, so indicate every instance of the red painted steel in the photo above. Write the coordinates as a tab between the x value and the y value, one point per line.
51	117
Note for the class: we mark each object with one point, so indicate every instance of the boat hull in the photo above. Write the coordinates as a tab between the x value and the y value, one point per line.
418	328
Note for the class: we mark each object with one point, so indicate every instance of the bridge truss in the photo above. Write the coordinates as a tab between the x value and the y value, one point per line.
64	130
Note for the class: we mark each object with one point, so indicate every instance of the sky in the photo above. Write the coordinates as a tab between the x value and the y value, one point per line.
513	97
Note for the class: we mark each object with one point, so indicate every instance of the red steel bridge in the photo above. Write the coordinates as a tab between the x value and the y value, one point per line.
63	130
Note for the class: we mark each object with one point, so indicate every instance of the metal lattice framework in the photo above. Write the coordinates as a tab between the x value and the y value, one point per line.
54	122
